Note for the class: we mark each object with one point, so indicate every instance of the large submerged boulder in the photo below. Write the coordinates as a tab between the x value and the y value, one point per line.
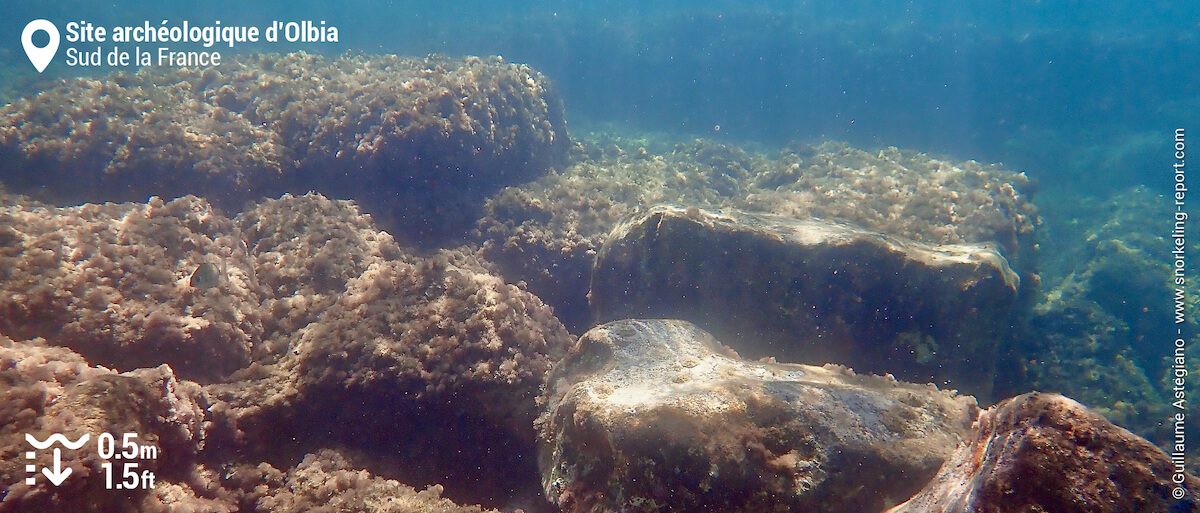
432	362
814	291
656	415
1045	452
548	231
49	391
309	328
419	142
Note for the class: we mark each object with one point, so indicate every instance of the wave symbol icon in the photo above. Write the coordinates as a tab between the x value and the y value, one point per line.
57	437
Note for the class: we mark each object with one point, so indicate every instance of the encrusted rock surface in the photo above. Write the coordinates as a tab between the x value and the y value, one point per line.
1100	334
325	482
305	249
814	292
1044	452
435	359
390	353
50	390
546	232
419	142
432	364
656	415
111	281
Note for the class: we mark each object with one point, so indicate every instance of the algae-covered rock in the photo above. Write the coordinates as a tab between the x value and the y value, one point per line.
1045	452
48	391
325	481
111	281
1100	331
398	355
546	232
52	391
813	291
418	141
656	415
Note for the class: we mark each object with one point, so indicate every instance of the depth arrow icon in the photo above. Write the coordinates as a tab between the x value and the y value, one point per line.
59	474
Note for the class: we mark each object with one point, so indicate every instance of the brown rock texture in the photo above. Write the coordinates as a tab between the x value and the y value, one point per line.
49	390
392	353
52	390
1047	453
430	364
434	359
420	142
325	482
547	232
656	415
111	281
46	390
305	249
814	292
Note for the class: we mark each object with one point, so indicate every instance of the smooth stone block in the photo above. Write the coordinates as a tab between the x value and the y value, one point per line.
656	415
814	291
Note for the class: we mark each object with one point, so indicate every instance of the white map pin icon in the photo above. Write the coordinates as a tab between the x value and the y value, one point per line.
40	57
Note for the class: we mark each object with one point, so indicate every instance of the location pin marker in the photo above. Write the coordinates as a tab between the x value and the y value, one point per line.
40	57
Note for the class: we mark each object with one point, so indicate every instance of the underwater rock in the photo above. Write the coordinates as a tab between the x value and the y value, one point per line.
355	343
434	329
546	232
656	415
52	390
433	363
419	142
907	194
49	390
326	481
1097	328
320	332
111	282
305	249
1045	452
814	292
